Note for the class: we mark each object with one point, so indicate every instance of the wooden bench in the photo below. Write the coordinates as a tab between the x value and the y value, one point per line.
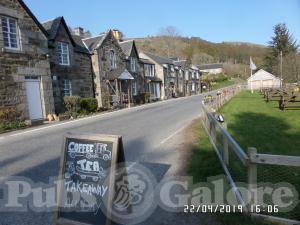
289	101
276	94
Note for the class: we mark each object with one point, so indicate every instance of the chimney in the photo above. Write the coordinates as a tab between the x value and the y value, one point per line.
118	34
79	31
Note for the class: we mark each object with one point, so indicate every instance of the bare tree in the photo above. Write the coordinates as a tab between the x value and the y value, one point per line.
169	31
168	36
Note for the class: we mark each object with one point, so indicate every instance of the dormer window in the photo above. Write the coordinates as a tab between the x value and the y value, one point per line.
112	59
63	53
133	64
10	32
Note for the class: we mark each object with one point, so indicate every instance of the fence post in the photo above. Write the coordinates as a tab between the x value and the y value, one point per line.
225	147
252	178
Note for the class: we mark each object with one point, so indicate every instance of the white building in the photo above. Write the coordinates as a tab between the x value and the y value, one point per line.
215	68
263	79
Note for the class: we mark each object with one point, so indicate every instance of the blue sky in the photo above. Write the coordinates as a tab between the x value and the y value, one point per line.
212	20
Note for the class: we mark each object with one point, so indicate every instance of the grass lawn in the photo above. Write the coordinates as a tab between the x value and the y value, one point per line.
204	163
254	123
222	84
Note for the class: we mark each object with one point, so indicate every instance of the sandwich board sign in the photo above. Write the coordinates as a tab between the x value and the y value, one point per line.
87	178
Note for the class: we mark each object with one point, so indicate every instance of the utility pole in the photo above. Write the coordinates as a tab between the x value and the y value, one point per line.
280	69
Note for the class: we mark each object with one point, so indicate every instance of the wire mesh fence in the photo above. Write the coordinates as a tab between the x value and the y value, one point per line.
285	176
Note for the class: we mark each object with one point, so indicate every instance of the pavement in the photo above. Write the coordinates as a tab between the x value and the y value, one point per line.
149	134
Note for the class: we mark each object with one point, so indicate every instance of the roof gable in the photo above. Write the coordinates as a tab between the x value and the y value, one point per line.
262	75
28	11
53	26
96	42
129	48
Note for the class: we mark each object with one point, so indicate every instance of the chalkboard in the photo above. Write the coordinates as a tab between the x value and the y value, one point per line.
87	178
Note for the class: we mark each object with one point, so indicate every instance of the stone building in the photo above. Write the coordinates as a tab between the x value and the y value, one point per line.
165	70
133	67
112	81
194	77
182	82
70	63
152	84
25	80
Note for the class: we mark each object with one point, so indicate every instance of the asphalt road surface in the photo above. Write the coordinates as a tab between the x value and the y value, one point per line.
35	153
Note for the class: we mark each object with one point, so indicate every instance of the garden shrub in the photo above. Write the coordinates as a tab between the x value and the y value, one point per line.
88	105
8	114
145	97
72	103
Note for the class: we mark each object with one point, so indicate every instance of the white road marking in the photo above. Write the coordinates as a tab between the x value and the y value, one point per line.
172	135
92	117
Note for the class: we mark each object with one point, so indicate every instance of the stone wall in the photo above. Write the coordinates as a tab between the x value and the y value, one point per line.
79	72
30	60
102	70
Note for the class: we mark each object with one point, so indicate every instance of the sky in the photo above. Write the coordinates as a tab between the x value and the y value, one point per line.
211	20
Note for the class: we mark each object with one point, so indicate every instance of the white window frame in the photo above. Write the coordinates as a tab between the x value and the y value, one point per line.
112	59
67	88
149	70
63	51
9	32
193	87
134	87
133	64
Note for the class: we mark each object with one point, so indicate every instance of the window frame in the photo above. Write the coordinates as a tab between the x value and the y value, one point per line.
67	89
134	87
9	33
112	59
133	64
61	53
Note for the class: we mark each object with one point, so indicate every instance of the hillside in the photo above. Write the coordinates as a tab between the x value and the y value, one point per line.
200	51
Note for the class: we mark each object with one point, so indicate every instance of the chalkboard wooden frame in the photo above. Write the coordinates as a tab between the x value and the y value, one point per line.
116	145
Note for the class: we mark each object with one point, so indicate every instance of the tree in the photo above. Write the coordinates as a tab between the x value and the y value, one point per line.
169	31
168	36
282	41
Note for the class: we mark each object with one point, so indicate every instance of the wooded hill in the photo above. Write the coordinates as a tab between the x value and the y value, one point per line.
233	54
201	51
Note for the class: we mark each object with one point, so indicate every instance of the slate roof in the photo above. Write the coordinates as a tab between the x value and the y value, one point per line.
210	66
80	47
127	47
126	75
146	61
52	28
181	63
159	59
93	42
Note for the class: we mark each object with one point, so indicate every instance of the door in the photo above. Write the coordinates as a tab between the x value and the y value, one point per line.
158	90
34	100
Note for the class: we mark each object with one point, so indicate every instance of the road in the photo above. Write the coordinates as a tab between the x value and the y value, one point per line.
146	130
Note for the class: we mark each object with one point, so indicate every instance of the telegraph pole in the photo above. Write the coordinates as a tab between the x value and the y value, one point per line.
280	69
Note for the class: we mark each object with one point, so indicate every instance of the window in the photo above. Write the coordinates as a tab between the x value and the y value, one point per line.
112	59
10	32
134	89
67	88
133	64
193	87
63	53
149	70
